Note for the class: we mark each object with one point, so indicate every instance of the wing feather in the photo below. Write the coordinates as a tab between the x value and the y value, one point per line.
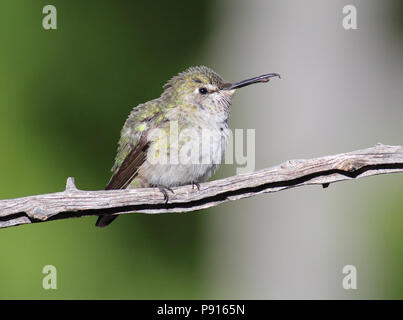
130	165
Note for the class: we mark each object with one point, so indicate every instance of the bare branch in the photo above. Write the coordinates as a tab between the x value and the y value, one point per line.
380	159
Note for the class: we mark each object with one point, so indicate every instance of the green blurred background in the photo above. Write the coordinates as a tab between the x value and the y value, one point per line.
64	96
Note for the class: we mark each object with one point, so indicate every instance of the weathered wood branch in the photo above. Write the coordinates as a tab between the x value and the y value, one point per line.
380	159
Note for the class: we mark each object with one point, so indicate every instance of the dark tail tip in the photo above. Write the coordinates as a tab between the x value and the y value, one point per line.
104	221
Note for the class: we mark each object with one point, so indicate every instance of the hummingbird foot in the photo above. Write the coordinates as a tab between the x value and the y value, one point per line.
195	184
165	193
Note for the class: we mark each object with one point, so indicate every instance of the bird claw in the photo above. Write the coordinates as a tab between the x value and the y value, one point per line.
165	193
195	184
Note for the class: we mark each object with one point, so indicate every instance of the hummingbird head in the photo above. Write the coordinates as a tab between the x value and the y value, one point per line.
205	89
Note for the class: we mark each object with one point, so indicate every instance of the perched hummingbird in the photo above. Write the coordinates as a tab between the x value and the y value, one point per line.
154	152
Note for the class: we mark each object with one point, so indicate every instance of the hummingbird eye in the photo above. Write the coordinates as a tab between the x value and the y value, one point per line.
203	90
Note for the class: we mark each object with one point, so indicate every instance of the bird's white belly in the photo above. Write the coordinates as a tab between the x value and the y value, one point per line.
190	160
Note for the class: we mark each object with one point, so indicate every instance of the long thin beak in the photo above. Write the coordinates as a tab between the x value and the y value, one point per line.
243	83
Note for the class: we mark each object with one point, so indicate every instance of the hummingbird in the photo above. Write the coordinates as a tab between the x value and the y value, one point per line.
154	151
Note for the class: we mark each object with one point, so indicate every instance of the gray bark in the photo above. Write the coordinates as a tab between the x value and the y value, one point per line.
380	159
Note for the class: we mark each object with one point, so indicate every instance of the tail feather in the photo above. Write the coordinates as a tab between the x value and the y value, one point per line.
104	221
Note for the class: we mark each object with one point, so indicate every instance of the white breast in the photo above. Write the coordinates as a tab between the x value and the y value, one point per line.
200	151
